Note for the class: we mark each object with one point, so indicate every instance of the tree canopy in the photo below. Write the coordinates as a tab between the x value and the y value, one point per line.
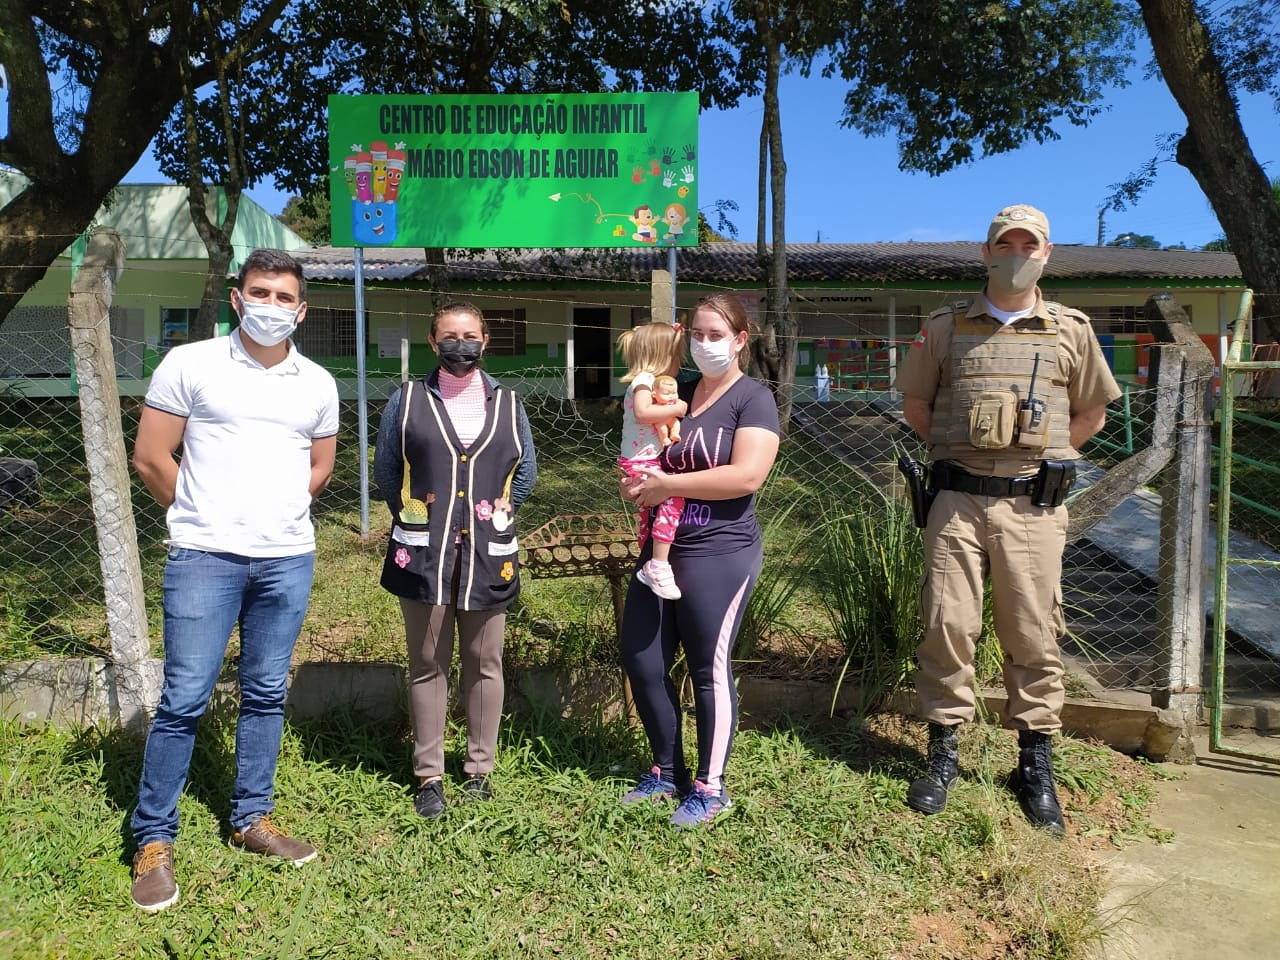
441	46
956	80
1140	241
1209	56
953	79
308	217
91	83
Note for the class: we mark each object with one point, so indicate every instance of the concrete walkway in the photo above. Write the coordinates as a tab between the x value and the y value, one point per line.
1214	891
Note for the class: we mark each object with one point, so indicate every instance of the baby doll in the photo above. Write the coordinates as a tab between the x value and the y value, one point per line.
665	394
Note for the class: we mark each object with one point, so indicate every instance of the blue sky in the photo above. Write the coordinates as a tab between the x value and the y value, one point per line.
843	187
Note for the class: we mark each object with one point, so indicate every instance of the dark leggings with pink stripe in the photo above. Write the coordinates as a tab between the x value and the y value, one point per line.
704	622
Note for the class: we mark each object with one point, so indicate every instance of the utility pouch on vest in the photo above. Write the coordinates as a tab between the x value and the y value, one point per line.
992	420
1033	425
1053	482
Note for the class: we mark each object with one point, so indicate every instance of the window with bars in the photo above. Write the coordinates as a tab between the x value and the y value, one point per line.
506	332
1120	319
327	332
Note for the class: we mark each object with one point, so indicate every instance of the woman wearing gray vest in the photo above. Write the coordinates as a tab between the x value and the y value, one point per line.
454	461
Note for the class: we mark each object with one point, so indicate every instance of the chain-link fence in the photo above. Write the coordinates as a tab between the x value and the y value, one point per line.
1246	647
838	458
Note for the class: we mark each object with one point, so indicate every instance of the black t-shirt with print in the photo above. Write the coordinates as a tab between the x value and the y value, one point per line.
710	527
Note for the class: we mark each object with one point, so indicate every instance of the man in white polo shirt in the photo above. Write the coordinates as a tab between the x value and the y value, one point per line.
258	424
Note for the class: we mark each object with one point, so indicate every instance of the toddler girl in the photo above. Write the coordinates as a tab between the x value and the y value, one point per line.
650	414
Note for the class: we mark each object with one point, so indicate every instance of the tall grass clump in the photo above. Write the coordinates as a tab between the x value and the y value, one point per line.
869	577
786	564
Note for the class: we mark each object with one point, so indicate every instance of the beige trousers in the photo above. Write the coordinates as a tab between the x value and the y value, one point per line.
429	633
1019	547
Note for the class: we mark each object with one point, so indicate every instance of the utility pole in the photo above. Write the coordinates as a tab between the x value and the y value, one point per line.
1101	225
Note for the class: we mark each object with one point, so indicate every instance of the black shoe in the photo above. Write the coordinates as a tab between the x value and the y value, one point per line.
476	788
1033	782
928	793
428	799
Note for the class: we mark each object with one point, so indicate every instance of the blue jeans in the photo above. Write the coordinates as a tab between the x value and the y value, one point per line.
205	594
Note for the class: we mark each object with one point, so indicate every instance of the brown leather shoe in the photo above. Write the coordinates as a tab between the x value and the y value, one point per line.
153	885
266	838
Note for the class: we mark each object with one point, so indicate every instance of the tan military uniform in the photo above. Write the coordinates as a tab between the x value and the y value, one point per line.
963	363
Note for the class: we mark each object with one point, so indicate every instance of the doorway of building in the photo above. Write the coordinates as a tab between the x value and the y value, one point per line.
592	352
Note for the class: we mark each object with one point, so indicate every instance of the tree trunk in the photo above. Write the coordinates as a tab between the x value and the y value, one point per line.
215	231
438	277
775	352
218	243
119	122
1216	152
762	204
136	685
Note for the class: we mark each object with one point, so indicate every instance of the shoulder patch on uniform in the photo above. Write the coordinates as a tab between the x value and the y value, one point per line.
920	338
1059	310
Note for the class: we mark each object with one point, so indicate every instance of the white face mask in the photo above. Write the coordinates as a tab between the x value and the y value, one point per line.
266	324
1011	274
713	357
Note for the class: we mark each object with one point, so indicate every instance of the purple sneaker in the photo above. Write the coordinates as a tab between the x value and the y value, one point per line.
651	788
701	806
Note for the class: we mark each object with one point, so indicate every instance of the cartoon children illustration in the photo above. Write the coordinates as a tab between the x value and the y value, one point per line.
644	220
675	218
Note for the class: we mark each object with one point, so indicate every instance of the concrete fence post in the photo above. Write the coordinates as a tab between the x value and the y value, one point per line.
1182	357
662	296
134	681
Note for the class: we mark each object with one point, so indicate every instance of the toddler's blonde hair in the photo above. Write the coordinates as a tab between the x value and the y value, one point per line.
650	348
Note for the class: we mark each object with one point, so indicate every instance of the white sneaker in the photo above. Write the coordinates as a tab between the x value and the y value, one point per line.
657	576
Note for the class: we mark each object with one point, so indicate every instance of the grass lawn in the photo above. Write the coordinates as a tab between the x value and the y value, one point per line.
819	857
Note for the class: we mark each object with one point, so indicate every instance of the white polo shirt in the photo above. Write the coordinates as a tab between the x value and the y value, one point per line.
244	478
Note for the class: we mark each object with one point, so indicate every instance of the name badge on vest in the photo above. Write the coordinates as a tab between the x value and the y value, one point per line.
411	538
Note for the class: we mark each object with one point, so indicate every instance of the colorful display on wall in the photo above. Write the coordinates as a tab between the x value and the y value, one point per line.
560	170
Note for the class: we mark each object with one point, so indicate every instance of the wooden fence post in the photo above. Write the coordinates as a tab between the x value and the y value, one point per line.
1184	516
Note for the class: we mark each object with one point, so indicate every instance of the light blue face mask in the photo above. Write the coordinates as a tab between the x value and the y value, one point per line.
266	324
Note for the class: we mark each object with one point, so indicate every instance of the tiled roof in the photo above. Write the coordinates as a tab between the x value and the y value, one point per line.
847	263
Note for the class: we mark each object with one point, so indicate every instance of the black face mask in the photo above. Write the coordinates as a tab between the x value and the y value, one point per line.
459	357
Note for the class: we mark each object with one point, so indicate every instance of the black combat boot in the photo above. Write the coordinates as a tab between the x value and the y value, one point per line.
928	793
1033	781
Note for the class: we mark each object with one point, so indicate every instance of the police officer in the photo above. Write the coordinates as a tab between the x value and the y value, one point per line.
1005	388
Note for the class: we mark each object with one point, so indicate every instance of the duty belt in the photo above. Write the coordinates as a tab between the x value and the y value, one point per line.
947	476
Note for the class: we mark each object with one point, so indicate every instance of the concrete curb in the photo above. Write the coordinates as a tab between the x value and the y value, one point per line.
80	692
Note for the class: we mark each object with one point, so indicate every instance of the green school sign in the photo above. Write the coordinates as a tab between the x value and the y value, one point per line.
560	170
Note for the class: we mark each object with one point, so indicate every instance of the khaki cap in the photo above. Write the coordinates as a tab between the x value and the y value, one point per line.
1020	216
